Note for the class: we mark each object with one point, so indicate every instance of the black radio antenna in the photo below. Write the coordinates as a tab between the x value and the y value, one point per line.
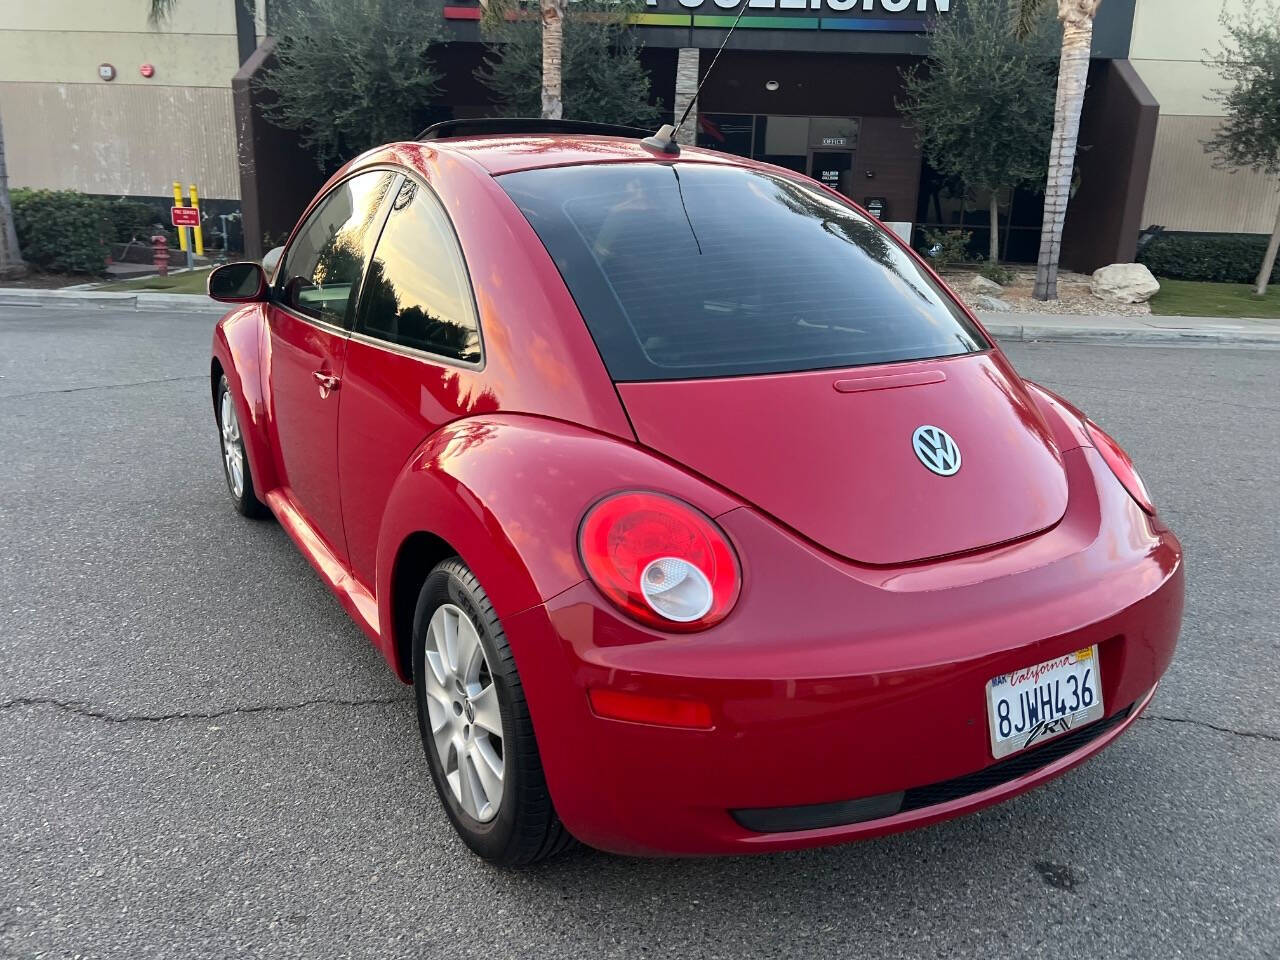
665	138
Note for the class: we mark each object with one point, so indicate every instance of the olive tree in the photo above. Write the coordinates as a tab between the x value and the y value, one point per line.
351	74
1249	137
982	103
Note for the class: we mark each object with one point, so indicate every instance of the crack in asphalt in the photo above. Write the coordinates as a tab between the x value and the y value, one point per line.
101	386
85	710
1246	734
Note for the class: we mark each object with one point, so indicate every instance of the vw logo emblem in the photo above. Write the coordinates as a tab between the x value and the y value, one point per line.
936	450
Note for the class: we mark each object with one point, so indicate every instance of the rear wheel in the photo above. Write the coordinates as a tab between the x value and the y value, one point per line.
235	463
475	724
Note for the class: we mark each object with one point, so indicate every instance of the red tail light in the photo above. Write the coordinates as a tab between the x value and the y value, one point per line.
660	561
1120	465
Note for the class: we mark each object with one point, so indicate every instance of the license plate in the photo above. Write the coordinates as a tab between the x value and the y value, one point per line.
1035	704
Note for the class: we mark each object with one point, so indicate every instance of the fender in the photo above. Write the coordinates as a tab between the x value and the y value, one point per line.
507	492
237	344
1064	419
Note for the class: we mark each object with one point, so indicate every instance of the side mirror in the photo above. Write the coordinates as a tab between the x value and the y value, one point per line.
270	260
238	283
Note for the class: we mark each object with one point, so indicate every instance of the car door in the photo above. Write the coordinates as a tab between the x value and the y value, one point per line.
309	318
413	363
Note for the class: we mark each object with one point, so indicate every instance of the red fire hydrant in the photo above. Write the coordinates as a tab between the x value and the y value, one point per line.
160	254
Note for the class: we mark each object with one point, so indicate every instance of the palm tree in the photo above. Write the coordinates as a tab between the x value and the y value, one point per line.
551	13
160	10
1073	73
11	264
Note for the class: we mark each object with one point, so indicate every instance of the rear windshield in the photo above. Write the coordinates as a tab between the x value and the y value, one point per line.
700	270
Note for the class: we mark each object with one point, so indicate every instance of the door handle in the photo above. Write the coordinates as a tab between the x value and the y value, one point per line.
327	381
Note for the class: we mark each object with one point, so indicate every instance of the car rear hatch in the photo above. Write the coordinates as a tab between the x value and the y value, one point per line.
774	339
831	453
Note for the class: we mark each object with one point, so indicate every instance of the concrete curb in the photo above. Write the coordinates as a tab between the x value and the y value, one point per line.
1062	331
180	301
1187	336
100	300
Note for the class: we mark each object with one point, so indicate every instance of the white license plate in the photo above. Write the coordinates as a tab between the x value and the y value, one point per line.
1035	704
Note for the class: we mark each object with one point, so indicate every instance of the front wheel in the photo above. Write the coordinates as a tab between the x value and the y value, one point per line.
475	724
235	463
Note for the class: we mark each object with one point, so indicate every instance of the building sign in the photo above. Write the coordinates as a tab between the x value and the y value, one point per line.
864	6
896	16
835	141
889	16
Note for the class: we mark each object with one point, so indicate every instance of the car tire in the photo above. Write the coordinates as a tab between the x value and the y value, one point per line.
490	783
235	461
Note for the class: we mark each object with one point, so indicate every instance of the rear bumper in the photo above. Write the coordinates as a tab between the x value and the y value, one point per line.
906	808
831	683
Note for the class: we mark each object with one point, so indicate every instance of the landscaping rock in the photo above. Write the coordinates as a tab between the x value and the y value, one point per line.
1124	283
981	285
991	304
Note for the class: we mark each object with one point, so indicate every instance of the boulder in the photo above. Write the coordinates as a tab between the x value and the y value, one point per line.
991	304
981	285
1124	283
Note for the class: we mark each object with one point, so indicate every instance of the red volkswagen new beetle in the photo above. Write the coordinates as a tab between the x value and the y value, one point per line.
703	518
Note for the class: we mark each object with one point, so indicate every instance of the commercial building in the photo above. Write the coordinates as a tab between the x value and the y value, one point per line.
95	98
813	85
1184	190
808	84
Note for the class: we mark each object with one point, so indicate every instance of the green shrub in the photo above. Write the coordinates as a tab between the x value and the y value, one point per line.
998	274
61	230
134	220
1212	257
948	248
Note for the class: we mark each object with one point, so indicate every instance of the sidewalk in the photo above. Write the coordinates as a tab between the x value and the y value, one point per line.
1117	329
1003	326
78	299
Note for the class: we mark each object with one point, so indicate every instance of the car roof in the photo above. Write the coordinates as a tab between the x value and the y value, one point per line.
508	153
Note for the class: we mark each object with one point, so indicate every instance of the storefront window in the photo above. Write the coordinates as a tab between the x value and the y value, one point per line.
727	132
826	133
820	147
783	141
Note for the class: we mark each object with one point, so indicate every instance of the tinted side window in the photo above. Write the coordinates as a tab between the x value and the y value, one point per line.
417	293
323	265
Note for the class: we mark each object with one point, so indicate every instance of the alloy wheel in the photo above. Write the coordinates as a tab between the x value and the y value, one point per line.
232	445
465	716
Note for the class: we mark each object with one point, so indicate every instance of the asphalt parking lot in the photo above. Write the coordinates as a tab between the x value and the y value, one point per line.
201	756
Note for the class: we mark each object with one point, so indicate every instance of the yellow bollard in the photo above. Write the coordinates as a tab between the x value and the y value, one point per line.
199	231
177	202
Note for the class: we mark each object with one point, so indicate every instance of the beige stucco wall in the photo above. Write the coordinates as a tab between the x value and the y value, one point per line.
67	129
118	16
1170	38
1185	191
120	140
